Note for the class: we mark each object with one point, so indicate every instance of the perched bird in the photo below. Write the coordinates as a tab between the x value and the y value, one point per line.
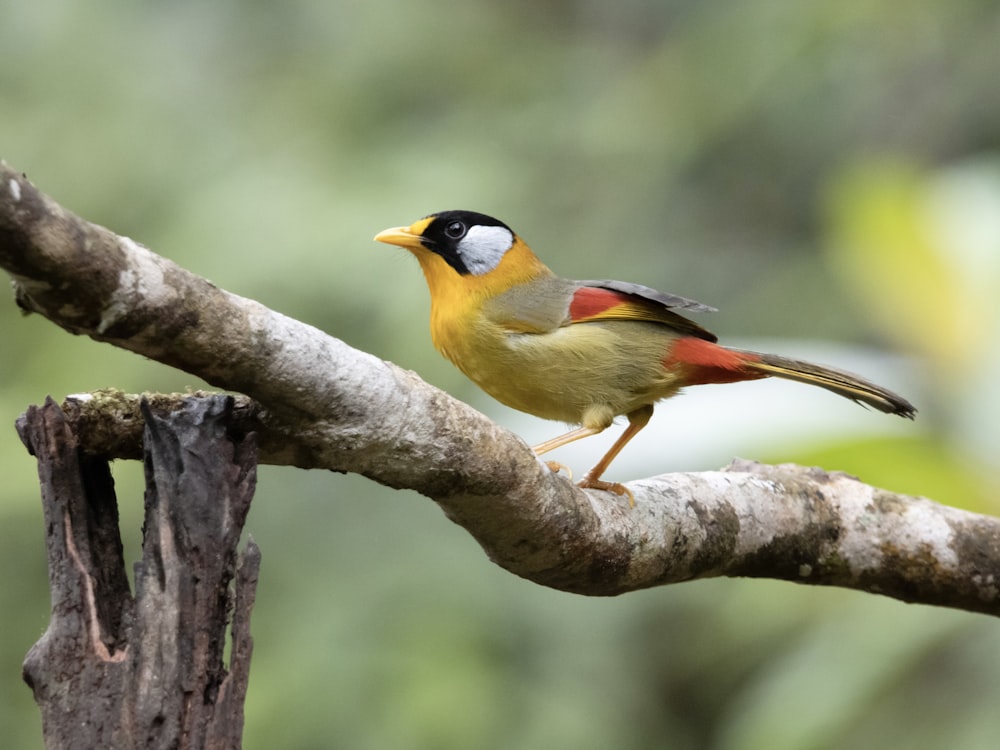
581	352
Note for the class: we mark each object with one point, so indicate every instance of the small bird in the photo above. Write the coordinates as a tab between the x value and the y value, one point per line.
580	352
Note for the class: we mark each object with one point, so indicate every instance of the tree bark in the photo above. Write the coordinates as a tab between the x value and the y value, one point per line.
317	403
121	672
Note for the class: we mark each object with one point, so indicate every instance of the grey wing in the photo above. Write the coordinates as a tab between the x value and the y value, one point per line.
663	298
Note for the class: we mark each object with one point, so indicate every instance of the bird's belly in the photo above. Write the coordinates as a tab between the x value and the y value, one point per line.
577	374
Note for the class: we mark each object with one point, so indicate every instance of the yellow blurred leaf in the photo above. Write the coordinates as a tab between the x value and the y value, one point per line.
884	243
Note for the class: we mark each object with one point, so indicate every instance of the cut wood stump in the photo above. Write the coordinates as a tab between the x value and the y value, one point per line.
115	670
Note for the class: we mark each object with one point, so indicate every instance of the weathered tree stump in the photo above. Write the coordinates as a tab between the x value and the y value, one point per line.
117	671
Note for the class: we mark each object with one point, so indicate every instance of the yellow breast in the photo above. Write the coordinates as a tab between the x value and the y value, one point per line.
457	299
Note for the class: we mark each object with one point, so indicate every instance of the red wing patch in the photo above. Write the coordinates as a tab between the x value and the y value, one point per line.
591	302
704	362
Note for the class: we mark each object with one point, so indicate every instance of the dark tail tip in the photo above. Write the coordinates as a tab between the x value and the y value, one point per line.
843	383
899	405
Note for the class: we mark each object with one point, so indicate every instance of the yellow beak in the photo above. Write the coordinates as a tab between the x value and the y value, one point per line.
402	236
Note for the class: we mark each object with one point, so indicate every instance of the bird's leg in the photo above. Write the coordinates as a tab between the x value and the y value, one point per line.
592	479
570	437
558	442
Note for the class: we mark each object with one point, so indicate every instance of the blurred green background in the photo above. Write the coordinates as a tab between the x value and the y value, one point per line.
826	173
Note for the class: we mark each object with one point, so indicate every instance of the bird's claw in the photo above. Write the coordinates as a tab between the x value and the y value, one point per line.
589	483
599	484
555	467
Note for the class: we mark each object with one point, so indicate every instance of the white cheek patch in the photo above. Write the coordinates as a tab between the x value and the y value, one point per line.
483	247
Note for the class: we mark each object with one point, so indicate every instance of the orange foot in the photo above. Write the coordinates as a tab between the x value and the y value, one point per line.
599	484
555	467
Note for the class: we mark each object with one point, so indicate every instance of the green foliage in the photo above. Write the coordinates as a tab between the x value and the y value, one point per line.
817	170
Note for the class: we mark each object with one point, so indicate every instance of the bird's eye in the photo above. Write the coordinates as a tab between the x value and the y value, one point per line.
456	230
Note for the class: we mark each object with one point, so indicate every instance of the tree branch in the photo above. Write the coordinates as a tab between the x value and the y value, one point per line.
318	403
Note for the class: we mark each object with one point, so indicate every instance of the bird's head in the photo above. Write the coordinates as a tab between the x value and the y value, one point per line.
467	249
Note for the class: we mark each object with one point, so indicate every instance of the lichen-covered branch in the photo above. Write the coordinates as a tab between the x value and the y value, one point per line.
318	403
